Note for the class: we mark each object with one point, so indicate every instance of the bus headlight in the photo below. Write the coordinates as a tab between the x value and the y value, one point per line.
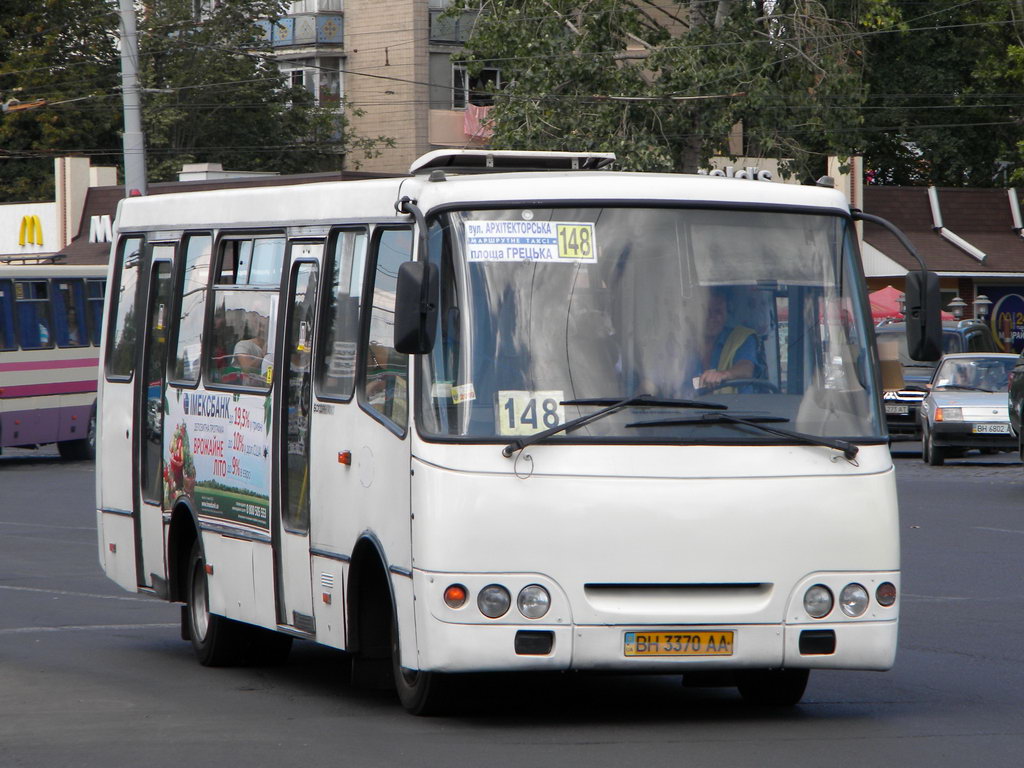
533	601
818	601
853	600
493	601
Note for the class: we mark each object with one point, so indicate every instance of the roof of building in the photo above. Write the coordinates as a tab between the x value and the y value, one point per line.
982	218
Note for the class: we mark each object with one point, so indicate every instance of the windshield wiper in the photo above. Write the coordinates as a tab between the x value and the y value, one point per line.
968	387
759	422
611	407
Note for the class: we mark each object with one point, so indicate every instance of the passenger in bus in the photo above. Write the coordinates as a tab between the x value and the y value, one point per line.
245	365
724	351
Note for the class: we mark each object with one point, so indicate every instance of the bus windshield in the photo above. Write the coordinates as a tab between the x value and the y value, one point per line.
759	311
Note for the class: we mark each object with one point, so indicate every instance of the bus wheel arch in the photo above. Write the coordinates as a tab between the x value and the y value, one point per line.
375	636
181	537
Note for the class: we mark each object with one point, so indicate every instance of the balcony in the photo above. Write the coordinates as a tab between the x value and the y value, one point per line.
453	30
305	29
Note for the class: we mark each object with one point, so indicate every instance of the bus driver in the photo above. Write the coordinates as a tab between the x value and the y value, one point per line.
725	352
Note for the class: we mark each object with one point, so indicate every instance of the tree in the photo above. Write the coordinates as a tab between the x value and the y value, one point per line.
65	53
215	93
944	94
661	83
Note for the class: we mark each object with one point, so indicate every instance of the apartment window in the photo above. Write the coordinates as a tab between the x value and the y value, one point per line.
474	89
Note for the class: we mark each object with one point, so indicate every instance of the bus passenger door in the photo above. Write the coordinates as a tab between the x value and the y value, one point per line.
293	369
149	528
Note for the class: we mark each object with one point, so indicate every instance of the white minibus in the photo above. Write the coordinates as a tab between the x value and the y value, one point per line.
513	411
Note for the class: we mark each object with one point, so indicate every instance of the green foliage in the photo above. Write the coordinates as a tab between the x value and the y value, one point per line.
216	95
662	83
212	94
65	53
944	94
929	93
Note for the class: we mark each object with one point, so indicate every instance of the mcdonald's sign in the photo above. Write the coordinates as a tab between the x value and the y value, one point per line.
31	231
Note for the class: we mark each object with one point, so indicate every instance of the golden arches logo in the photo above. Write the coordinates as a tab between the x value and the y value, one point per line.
31	231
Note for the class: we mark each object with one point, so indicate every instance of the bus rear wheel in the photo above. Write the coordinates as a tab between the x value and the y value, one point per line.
215	639
773	687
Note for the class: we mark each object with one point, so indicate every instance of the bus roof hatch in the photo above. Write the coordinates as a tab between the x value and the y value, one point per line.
503	160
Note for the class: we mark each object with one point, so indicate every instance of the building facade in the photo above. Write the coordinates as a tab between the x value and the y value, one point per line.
392	61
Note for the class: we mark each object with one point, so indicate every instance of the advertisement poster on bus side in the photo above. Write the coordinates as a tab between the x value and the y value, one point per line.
217	453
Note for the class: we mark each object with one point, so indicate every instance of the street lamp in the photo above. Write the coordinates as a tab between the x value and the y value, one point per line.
957	307
982	305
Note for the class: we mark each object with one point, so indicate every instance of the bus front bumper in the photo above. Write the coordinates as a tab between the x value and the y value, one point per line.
450	647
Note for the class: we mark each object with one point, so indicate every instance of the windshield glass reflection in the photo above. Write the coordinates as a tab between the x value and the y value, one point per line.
759	311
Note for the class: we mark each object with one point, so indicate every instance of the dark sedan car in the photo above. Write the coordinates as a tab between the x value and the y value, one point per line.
901	404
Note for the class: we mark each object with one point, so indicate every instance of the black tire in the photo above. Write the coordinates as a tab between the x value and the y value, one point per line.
216	640
772	687
421	693
933	455
84	449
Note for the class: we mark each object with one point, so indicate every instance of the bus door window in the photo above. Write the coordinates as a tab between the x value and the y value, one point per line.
244	311
340	324
155	375
35	324
188	346
69	313
94	290
297	369
123	324
386	383
7	315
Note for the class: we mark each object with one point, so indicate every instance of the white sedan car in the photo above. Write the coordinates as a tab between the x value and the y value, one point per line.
966	406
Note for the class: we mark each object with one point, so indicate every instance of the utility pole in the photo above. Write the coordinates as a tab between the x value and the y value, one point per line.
133	138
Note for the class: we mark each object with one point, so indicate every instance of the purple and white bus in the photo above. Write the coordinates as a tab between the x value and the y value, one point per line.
50	322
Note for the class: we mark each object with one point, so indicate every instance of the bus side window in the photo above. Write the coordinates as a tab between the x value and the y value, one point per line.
95	290
35	324
337	368
6	315
69	313
124	324
386	382
244	307
185	365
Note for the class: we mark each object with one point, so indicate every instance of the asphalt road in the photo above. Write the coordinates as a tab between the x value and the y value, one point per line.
94	676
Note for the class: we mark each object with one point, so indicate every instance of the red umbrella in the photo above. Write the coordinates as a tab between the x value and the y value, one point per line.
885	305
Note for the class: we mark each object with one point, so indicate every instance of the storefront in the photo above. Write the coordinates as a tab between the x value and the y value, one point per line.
970	237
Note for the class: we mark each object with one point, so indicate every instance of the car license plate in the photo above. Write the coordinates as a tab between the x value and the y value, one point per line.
680	642
991	429
897	410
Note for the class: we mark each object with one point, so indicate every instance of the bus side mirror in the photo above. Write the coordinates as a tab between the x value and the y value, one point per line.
416	300
924	321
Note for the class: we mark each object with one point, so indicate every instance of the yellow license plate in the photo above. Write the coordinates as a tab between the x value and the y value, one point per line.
679	643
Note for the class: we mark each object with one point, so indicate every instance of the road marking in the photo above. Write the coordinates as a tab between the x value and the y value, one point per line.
74	594
907	595
84	627
58	527
997	530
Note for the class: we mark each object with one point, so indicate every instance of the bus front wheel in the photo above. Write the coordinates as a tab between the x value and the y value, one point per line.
773	687
421	693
